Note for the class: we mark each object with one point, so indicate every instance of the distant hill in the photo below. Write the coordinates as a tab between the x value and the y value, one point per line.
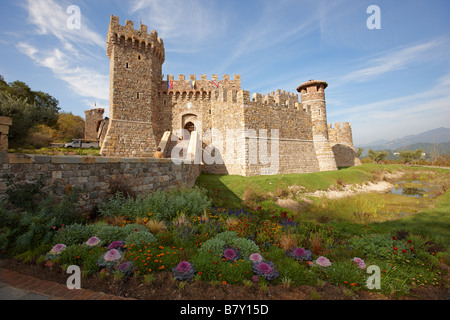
428	148
425	140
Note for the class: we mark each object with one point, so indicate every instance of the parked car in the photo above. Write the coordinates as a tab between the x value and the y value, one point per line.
79	143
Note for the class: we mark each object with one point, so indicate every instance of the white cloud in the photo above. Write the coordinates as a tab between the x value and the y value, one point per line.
394	60
50	18
186	24
70	57
83	81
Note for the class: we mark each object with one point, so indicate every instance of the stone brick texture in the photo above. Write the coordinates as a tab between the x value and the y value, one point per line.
97	176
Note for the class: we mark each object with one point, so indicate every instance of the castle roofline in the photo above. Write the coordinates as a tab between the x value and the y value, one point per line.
312	83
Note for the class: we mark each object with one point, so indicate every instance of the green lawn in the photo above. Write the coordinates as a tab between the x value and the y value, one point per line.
433	221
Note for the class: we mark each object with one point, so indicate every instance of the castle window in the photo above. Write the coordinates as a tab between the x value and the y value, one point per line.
139	57
137	95
209	111
126	65
164	102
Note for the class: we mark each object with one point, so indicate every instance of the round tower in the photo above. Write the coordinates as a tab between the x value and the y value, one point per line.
136	59
312	94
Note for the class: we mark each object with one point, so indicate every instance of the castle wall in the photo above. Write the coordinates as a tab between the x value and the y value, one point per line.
96	176
295	143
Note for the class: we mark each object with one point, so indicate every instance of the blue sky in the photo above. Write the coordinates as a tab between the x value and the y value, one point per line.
387	82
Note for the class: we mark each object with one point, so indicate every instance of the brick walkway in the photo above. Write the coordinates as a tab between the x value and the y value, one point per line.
17	286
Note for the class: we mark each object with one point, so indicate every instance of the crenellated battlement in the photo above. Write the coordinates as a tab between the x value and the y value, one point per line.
192	84
140	40
278	98
219	95
340	133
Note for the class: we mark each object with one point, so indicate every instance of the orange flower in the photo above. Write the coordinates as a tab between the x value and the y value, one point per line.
224	282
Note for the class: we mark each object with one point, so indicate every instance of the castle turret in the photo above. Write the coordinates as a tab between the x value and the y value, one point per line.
341	141
312	94
136	59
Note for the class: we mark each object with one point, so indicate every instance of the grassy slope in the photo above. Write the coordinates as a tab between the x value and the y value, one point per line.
433	223
228	191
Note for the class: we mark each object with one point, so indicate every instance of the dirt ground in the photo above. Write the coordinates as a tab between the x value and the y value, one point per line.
164	288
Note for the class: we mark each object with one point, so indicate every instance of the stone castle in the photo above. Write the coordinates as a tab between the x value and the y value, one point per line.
147	111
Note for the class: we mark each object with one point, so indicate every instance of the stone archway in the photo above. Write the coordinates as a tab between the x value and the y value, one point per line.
189	127
189	124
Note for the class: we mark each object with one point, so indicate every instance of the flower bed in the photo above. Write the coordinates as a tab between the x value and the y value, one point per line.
234	247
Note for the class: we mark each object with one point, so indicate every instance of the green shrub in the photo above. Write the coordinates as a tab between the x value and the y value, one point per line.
165	205
107	233
24	195
37	216
120	206
72	234
217	244
139	238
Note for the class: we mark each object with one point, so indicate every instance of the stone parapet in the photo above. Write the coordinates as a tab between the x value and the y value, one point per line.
97	176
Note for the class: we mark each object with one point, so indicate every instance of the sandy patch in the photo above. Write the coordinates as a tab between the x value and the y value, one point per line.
351	190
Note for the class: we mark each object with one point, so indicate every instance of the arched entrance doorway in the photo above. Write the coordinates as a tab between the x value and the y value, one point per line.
189	127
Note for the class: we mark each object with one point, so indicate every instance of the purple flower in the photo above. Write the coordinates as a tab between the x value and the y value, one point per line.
183	267
93	241
184	271
264	268
256	258
323	262
116	245
229	254
58	248
300	252
124	266
112	255
359	262
255	278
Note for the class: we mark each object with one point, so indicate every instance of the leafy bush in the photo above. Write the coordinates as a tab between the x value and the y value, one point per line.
72	234
139	238
108	233
40	225
165	205
120	206
24	195
217	244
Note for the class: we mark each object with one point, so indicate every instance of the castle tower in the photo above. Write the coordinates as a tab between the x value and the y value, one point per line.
136	59
341	141
92	123
312	94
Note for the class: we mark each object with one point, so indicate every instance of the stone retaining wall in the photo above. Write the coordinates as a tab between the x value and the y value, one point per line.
97	176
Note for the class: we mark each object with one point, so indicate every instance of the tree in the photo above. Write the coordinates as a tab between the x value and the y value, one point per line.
377	156
409	156
27	108
46	106
69	127
360	151
23	118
